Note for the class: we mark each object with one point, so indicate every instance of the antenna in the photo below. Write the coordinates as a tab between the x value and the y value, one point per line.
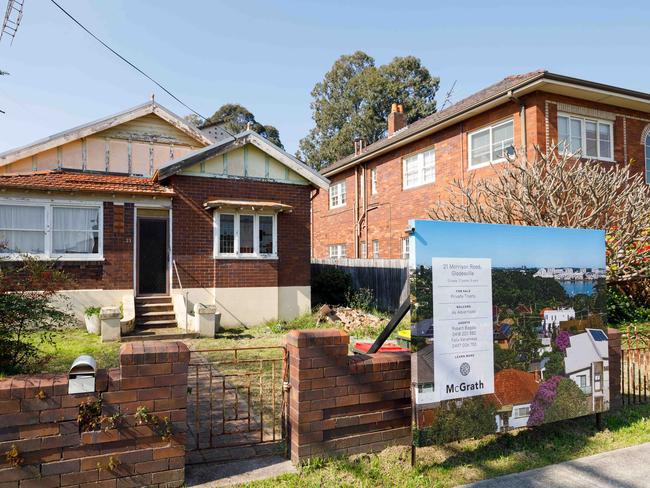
448	95
13	16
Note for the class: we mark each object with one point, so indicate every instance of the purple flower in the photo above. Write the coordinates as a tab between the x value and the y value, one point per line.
562	341
543	399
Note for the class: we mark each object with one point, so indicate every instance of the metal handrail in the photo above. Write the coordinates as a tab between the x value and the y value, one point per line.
183	292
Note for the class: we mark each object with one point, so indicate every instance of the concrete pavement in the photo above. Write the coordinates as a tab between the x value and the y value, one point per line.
623	468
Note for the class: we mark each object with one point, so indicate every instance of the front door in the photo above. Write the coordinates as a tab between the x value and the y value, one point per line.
152	256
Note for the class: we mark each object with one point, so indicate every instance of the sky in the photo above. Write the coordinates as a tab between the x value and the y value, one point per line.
510	246
268	55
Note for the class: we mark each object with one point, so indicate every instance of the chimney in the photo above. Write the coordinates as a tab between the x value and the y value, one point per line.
396	119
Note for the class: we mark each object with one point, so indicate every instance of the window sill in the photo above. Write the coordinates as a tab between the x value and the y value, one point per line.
338	207
234	257
485	165
21	257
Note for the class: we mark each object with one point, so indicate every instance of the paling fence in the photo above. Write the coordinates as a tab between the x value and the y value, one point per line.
635	367
388	279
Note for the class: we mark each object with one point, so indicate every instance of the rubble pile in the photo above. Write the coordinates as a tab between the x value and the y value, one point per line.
349	318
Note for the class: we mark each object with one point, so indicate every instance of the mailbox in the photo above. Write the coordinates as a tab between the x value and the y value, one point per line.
81	378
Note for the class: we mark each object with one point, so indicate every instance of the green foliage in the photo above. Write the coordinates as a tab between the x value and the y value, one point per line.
90	415
361	299
306	321
504	358
354	100
622	309
511	288
235	118
472	417
569	402
421	288
28	314
526	343
92	310
331	286
555	364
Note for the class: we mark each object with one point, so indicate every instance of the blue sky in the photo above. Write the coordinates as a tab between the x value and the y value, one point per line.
269	55
510	246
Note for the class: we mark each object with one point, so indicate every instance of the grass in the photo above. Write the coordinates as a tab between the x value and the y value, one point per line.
474	460
71	343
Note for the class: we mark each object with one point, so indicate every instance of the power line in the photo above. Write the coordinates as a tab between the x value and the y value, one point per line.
126	60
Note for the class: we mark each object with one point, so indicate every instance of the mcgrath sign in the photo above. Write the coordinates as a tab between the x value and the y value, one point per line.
463	358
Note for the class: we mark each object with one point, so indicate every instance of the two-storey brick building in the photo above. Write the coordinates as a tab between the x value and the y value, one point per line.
375	191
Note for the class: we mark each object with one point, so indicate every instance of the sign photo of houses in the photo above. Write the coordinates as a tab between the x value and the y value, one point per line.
508	327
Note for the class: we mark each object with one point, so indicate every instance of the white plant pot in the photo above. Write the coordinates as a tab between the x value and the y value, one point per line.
93	325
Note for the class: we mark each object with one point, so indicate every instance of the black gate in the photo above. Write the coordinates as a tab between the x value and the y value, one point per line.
237	407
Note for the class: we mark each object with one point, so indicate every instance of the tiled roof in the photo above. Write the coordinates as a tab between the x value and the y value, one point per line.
438	117
514	387
61	180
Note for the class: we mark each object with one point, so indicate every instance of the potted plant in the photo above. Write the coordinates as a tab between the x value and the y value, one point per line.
91	317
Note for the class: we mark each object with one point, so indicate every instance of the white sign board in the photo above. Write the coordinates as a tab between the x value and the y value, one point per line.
463	356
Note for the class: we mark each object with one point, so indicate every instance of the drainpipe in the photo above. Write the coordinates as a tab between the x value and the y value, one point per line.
522	120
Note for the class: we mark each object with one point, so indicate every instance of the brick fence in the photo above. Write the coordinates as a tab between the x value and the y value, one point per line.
39	418
342	404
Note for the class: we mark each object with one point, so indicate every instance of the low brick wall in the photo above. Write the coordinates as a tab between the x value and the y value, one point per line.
39	418
342	404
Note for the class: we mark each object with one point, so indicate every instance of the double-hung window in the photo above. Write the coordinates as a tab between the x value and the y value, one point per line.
375	249
647	159
591	138
337	195
405	247
491	144
419	169
373	181
51	230
245	235
337	251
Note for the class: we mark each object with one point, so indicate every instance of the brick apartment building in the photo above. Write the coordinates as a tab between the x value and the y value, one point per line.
141	203
375	192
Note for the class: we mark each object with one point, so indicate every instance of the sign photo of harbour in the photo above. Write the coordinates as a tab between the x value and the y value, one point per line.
508	327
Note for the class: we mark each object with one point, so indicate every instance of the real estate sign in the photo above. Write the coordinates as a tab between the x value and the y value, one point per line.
462	325
508	327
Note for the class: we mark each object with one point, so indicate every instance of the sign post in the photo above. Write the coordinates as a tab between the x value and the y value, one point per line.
463	355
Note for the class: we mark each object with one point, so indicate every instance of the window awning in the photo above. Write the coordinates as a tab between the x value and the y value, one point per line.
248	205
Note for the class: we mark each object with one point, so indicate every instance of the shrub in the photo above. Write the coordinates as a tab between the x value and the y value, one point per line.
28	314
92	310
361	299
557	399
472	417
622	309
332	286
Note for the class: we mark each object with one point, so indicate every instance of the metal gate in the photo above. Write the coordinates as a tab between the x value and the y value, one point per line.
237	407
635	367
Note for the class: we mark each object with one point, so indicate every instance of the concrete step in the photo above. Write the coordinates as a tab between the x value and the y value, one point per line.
154	307
141	300
156	315
155	323
158	334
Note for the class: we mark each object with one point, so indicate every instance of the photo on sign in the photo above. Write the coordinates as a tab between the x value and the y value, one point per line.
508	327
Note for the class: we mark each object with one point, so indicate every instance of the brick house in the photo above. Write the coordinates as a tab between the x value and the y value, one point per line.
377	190
142	203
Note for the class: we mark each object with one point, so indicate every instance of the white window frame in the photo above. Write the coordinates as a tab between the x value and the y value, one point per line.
375	249
364	250
405	247
340	251
420	169
490	128
583	136
256	254
338	191
517	412
373	181
48	228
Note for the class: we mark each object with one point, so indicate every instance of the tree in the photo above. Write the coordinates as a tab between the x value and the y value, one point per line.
473	417
557	189
354	99
28	313
236	118
526	343
504	358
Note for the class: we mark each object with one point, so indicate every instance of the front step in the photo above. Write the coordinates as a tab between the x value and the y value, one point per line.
157	315
158	334
146	299
154	307
154	312
158	324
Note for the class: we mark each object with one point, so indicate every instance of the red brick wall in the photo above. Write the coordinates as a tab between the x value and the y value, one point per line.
39	417
341	404
193	234
391	208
